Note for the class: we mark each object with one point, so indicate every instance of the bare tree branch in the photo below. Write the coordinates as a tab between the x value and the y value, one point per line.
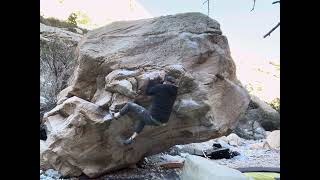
254	4
204	2
208	2
274	28
276	2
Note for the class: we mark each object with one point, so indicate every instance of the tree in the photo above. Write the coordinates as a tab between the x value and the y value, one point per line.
72	19
82	18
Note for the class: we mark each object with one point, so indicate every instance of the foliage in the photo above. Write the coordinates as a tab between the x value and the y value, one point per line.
57	62
56	22
72	19
82	18
60	24
275	104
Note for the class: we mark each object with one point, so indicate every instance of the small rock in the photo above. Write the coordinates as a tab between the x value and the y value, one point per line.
267	133
78	30
223	138
43	100
167	158
42	176
234	140
207	169
146	160
52	173
257	145
274	139
184	154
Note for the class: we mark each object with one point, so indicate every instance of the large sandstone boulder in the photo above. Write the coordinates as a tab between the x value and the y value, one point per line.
113	63
258	117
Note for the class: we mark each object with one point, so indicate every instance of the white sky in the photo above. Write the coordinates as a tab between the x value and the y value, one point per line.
101	12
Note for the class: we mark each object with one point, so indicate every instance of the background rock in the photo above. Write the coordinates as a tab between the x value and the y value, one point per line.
259	117
269	117
234	140
273	139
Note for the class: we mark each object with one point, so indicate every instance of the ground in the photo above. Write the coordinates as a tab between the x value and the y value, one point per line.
148	168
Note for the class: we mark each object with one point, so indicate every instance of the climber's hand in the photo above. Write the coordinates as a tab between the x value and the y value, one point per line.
139	96
139	92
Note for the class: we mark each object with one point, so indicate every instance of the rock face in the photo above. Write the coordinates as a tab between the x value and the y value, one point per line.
258	118
48	33
113	64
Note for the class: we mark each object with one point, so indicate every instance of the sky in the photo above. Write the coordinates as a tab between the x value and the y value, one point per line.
244	29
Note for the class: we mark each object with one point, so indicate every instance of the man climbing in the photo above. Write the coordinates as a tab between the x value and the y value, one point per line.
164	94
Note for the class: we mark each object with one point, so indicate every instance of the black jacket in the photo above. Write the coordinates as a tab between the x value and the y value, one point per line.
164	96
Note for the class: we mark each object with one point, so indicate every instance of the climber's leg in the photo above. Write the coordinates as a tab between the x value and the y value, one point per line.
138	128
143	119
130	106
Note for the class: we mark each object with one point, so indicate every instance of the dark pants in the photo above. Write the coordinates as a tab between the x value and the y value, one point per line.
143	116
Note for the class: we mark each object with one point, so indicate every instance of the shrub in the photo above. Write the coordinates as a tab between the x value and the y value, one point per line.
275	104
61	24
57	62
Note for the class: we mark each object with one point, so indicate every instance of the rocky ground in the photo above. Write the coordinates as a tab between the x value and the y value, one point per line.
252	154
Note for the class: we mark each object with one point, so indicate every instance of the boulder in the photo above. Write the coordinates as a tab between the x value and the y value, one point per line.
273	139
196	168
258	117
269	117
249	128
117	59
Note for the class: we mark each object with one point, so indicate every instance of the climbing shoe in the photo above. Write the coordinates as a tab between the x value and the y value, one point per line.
128	141
116	115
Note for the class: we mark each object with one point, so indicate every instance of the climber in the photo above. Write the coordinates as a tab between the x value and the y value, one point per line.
164	94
